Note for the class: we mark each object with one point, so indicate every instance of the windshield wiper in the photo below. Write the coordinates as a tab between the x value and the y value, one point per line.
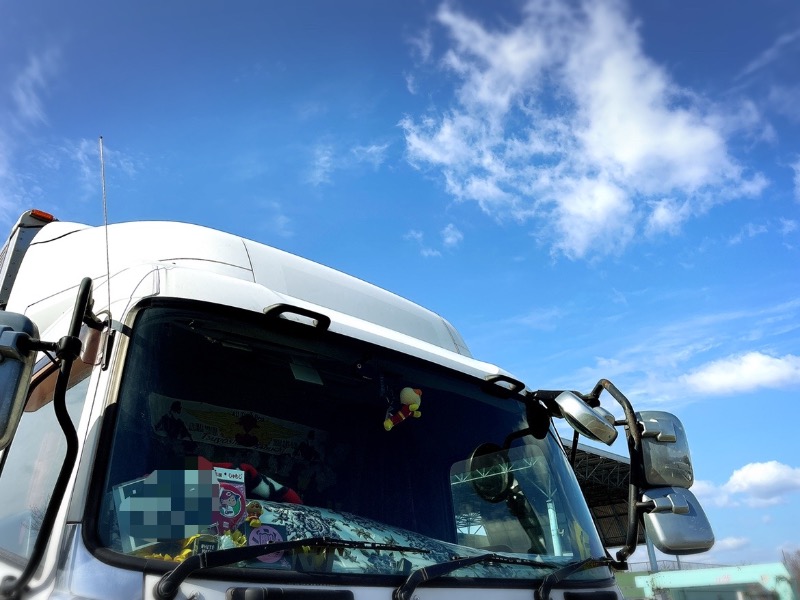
424	574
543	593
167	586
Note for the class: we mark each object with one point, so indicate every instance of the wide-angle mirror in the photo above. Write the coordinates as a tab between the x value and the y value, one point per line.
586	420
492	477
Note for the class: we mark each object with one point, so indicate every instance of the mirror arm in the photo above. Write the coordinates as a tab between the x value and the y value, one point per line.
635	508
67	349
632	538
573	453
515	435
548	399
630	415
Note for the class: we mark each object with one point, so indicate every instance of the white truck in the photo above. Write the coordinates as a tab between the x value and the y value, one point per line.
185	413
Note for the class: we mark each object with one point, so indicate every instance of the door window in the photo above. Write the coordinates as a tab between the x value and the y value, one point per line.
30	465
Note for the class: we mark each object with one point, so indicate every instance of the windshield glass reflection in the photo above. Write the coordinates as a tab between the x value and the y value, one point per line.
231	432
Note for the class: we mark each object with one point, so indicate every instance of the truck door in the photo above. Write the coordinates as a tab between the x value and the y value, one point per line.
29	467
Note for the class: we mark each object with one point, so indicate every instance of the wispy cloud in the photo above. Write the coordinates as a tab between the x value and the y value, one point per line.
771	54
796	169
544	319
681	360
788	226
421	45
275	220
373	154
81	158
328	158
321	165
750	230
563	119
418	238
27	92
785	100
29	85
451	236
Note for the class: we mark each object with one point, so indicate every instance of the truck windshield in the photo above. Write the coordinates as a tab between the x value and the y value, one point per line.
236	430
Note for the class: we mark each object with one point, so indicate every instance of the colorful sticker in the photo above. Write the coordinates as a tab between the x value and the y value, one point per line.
266	534
231	499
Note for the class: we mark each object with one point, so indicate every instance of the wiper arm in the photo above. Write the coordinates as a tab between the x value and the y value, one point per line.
543	593
423	574
167	586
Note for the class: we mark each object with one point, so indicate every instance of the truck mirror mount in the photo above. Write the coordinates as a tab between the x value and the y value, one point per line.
17	357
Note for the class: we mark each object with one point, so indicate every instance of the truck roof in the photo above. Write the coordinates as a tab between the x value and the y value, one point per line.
62	253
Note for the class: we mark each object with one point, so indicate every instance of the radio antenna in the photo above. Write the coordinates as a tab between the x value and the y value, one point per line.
105	226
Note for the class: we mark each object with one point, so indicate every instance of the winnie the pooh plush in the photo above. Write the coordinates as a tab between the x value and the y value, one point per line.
410	399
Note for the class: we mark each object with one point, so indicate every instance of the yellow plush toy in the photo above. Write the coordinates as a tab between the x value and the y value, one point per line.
410	399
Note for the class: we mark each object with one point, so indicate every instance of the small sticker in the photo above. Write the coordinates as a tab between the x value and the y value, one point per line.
266	535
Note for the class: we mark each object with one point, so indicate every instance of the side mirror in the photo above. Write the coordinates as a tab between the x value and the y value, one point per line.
589	422
16	365
676	523
492	478
665	450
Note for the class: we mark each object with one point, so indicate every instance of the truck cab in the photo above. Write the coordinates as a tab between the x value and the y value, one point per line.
250	424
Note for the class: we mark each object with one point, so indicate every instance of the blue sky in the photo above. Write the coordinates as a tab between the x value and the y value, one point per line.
584	189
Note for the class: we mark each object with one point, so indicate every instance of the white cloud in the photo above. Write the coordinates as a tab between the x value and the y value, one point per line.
731	543
562	118
327	158
411	83
321	165
26	89
754	484
544	319
667	215
744	373
796	169
81	159
785	100
660	359
30	84
710	494
764	484
451	236
788	226
276	221
422	45
750	230
373	154
418	238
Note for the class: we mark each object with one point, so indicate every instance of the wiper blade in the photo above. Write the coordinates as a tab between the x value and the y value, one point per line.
543	593
423	574
167	586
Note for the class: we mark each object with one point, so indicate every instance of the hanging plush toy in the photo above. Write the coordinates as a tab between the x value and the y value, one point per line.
406	406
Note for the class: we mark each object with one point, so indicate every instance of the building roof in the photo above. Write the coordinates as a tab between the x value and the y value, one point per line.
604	479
